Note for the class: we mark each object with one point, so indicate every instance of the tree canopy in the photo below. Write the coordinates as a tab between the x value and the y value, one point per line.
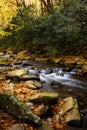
64	22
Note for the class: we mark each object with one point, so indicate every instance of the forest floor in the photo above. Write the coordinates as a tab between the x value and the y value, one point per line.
78	60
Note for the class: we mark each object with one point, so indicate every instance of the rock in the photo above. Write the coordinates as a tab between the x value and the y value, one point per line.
2	77
1	53
45	127
17	127
6	56
14	106
43	109
3	62
57	60
84	69
22	53
68	104
9	88
30	85
17	73
29	77
17	65
37	84
57	117
73	116
44	97
33	84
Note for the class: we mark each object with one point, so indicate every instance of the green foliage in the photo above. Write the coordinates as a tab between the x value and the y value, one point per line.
65	27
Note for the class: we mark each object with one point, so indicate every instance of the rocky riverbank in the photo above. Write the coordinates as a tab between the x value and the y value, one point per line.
25	75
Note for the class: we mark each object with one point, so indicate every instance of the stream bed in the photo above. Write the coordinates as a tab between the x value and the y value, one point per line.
53	78
57	79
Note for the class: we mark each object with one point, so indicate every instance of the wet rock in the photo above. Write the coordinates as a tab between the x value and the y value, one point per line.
17	65
14	106
33	84
45	127
73	117
29	77
25	62
38	84
67	105
17	127
44	97
17	73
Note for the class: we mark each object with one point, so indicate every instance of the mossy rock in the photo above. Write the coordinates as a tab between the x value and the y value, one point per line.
44	97
14	106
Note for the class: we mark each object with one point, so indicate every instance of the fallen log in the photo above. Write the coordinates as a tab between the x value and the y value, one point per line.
14	106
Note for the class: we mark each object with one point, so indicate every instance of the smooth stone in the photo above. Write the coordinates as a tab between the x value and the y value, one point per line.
29	77
68	104
17	73
73	118
30	84
44	97
33	84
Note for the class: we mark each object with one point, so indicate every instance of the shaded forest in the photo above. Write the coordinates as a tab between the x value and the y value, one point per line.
43	26
43	64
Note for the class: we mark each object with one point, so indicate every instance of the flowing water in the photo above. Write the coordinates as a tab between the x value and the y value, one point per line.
57	79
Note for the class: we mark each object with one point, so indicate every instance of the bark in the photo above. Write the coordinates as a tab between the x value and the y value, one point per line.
14	106
46	5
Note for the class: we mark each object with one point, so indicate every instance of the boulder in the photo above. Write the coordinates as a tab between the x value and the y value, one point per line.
44	97
67	105
17	73
33	84
14	106
73	117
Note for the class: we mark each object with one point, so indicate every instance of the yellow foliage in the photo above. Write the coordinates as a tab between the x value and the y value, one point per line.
7	10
